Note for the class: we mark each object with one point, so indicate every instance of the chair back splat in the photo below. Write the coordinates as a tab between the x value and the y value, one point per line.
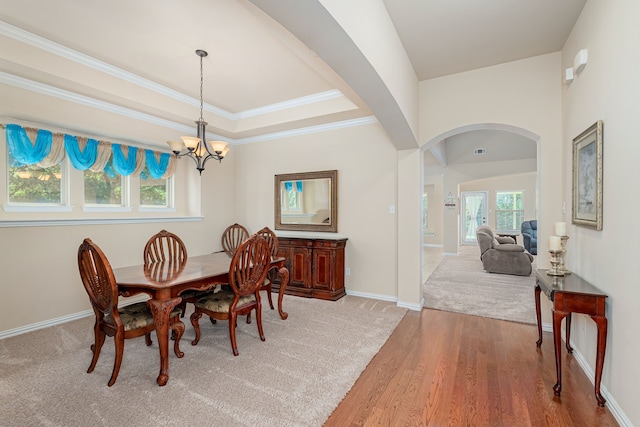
232	237
274	246
165	246
98	280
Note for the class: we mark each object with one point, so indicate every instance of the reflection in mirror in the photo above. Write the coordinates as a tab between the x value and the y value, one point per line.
306	201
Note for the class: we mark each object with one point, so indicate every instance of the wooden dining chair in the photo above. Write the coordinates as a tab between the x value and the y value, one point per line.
249	266
272	240
165	247
166	252
121	323
232	236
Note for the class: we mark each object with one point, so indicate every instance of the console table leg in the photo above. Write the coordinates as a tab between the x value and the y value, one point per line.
538	320
557	345
567	334
601	322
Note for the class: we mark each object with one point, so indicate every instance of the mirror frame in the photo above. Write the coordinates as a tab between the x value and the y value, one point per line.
332	175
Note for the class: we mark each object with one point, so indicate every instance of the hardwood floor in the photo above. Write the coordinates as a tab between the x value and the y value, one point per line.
447	369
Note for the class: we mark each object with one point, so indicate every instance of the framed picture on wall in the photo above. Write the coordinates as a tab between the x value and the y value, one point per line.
587	177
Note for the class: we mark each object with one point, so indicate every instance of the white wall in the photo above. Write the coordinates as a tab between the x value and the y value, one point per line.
521	96
607	89
365	160
40	279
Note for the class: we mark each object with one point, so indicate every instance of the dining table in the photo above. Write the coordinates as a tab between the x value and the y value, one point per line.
165	281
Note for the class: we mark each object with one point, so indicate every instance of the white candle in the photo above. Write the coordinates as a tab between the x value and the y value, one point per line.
554	243
561	228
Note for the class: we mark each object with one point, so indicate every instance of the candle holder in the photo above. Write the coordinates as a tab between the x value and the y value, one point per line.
555	261
563	251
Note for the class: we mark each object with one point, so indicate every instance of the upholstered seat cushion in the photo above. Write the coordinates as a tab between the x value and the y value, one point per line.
221	301
137	315
187	295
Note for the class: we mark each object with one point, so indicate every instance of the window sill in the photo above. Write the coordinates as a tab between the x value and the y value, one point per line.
106	208
97	221
39	208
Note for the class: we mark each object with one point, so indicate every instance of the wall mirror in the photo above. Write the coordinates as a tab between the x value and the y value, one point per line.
307	201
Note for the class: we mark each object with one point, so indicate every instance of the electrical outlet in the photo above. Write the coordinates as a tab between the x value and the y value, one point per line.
392	209
347	271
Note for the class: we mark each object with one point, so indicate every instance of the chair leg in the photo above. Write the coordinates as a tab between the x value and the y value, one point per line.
96	347
183	307
196	326
259	320
232	332
177	329
268	288
249	318
119	341
147	339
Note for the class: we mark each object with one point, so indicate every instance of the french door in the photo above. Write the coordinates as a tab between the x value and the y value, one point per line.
473	213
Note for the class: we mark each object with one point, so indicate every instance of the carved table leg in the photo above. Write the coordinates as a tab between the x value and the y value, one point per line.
557	345
284	276
567	334
539	322
601	322
161	309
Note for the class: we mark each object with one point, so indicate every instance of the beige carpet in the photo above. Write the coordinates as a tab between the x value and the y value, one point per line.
295	378
460	284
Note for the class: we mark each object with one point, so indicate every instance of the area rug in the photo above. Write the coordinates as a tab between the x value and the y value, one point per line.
296	377
460	284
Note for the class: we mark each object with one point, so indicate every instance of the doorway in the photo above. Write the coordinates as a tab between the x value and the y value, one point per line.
473	213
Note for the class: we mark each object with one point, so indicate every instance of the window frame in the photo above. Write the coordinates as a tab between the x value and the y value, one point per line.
514	211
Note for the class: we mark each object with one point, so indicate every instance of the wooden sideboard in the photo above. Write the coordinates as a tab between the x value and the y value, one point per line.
316	266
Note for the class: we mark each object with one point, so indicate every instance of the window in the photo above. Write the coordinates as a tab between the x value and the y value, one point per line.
46	171
102	189
292	196
31	184
425	215
509	210
154	192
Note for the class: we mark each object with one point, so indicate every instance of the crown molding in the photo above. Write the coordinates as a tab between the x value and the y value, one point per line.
47	45
45	89
308	130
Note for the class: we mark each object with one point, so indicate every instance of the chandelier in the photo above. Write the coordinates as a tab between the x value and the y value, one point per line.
197	147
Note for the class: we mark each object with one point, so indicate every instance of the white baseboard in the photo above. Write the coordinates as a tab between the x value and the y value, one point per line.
372	296
613	406
63	319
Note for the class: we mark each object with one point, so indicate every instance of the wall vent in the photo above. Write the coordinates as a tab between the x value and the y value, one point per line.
480	151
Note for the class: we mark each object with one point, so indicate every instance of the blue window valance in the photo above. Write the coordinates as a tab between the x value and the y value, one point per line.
81	159
124	165
23	151
157	168
288	185
29	146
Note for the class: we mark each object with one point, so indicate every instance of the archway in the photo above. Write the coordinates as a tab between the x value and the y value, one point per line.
444	178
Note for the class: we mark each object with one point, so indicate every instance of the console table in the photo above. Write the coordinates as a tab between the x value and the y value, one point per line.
572	294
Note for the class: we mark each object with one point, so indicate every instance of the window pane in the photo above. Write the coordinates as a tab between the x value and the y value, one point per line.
33	184
153	192
100	189
509	210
